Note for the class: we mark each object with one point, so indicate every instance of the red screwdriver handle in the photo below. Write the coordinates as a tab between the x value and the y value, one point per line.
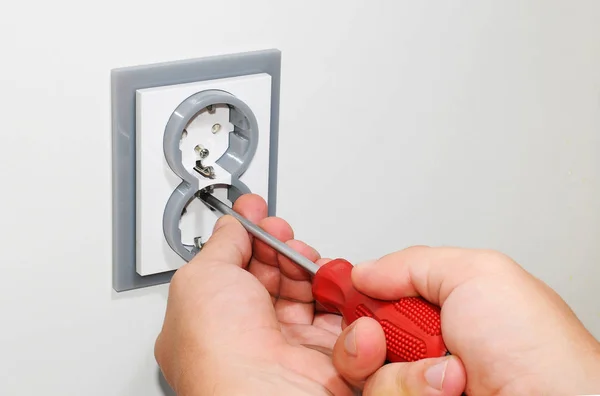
411	325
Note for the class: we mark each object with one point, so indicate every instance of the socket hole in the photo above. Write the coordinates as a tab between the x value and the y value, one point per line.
217	138
197	220
204	143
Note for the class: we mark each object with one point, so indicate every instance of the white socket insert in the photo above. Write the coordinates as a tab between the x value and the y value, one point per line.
155	181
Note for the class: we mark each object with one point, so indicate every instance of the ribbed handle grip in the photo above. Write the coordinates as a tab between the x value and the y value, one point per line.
411	325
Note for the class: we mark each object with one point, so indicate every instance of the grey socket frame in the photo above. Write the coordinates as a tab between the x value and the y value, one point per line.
124	84
242	147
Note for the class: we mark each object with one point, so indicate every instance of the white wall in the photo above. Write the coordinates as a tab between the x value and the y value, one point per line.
473	123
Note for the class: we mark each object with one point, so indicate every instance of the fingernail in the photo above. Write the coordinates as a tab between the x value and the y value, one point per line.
435	374
350	342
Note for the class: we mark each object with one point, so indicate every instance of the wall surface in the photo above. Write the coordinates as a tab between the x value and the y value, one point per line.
471	123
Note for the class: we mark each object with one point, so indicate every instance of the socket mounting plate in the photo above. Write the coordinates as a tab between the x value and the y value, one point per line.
125	82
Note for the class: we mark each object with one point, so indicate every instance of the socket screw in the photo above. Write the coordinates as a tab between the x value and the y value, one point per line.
202	152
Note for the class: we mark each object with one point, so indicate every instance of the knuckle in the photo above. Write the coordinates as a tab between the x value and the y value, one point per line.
495	257
415	249
493	261
414	252
390	379
399	379
410	378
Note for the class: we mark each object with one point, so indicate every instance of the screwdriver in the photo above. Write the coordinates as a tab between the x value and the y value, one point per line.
411	325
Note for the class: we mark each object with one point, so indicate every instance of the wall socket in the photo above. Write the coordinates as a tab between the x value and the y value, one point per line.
179	127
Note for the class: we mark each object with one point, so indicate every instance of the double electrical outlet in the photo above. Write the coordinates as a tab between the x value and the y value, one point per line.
179	128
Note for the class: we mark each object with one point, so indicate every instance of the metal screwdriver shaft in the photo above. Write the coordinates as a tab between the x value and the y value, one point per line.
258	232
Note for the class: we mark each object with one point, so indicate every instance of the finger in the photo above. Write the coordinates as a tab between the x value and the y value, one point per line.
318	306
322	261
344	324
278	228
359	351
268	275
330	322
292	270
295	300
251	206
264	264
429	272
228	244
429	377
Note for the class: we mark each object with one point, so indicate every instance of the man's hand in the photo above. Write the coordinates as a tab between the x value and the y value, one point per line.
241	319
514	334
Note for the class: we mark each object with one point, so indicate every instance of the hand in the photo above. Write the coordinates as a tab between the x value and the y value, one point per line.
241	319
514	335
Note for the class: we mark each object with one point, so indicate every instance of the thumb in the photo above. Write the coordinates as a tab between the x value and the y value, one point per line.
229	243
359	351
428	377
